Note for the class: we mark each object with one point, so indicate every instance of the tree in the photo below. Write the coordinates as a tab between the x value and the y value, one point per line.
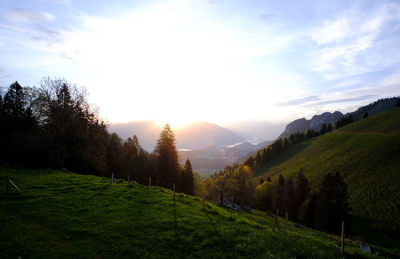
302	188
332	204
324	129
280	194
307	211
290	199
398	102
132	164
70	128
18	127
187	182
263	196
167	164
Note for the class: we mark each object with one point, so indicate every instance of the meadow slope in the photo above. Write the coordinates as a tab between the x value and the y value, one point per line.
367	154
90	218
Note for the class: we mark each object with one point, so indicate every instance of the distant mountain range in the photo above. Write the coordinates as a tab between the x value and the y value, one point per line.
218	157
315	123
194	136
207	145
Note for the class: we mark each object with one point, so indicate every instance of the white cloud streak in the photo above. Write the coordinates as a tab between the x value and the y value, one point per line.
357	42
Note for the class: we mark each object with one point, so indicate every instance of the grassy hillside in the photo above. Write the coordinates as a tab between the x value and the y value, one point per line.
92	219
367	154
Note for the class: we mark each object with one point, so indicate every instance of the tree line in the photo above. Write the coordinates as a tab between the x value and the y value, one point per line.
323	209
53	126
273	150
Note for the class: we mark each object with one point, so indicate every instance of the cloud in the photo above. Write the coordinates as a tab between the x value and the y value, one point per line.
343	100
356	42
299	101
38	26
19	15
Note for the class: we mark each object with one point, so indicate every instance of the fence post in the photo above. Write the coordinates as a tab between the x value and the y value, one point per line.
342	240
286	219
276	221
231	205
204	206
173	187
129	180
70	177
112	178
150	183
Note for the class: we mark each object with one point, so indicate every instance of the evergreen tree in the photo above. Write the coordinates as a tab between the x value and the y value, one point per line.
258	159
332	204
302	189
290	199
307	211
167	165
398	102
324	129
280	194
17	128
187	178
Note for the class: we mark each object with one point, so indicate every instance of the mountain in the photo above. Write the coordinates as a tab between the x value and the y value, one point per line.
196	135
366	153
200	134
315	123
255	130
214	157
147	132
90	218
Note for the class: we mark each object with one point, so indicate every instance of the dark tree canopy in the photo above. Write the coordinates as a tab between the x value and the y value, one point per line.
167	166
187	181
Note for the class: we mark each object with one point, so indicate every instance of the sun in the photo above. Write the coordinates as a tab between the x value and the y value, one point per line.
175	123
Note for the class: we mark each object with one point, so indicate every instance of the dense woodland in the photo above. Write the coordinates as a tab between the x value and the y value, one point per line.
53	126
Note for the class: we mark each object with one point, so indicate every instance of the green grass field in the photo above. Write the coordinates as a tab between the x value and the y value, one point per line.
367	154
91	218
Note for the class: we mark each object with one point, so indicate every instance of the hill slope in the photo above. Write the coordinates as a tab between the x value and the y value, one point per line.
367	154
92	218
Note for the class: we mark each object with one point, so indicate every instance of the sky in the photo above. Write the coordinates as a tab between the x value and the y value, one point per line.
218	61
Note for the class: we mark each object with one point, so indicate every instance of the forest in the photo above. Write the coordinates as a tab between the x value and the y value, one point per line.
53	126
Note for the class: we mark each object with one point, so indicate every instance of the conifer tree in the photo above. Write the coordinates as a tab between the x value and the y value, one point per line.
167	156
280	194
187	178
302	188
290	199
332	204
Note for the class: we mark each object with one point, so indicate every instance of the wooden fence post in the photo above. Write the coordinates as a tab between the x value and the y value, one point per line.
112	178
231	205
173	187
286	219
204	206
129	180
276	221
342	240
150	183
